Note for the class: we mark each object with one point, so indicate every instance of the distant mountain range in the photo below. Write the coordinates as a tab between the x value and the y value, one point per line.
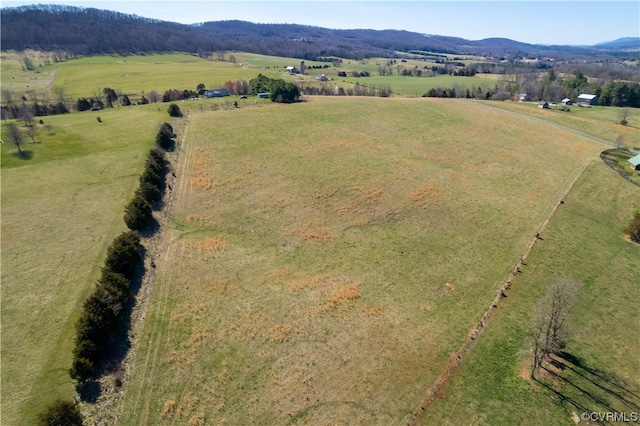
83	31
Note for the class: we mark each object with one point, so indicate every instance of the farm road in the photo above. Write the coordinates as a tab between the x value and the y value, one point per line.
551	123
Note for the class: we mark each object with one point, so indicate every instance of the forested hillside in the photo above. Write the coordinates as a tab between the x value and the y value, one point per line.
84	31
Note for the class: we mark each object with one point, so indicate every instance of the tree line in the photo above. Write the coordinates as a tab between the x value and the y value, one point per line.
25	109
550	89
89	31
103	319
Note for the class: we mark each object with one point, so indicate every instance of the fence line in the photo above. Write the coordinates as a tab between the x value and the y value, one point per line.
614	165
458	357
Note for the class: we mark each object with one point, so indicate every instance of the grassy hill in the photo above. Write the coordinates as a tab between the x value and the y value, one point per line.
326	276
322	260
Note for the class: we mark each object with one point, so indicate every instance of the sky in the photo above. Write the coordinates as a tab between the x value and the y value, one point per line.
572	22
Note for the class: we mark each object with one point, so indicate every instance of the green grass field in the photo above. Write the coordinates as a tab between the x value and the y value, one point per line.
602	122
138	74
60	210
583	242
318	276
323	259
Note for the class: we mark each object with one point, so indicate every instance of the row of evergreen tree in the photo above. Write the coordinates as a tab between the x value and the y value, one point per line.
137	213
103	320
103	312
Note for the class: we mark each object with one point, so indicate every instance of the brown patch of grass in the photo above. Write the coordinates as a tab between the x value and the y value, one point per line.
425	195
250	326
374	311
312	282
369	194
197	419
204	183
199	219
279	332
448	288
281	202
206	248
340	296
202	163
313	230
324	193
169	408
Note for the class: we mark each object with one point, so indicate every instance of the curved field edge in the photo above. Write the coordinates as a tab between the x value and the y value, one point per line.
334	254
583	242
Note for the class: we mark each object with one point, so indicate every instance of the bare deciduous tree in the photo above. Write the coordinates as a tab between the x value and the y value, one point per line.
15	136
32	132
154	96
27	115
624	114
548	327
59	93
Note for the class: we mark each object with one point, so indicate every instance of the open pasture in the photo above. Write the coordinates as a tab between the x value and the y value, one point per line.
583	242
418	86
325	259
138	74
131	74
60	209
599	121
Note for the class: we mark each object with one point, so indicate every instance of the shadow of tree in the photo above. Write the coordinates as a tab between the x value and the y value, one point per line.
111	361
25	154
587	389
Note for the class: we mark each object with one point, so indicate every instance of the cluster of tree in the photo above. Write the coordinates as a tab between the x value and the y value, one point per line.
476	92
354	73
103	311
238	87
548	328
356	90
279	90
318	67
25	108
620	94
60	413
137	213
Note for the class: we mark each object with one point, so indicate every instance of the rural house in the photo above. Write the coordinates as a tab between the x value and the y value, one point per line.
634	162
215	93
566	101
321	77
543	104
587	99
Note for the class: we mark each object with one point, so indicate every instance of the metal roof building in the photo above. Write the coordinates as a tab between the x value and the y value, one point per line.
586	98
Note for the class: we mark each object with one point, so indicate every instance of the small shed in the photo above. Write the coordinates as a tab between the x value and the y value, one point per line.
321	77
292	70
523	97
566	101
634	162
587	99
543	104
